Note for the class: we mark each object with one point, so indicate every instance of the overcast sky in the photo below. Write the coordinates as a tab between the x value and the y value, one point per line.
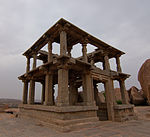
124	24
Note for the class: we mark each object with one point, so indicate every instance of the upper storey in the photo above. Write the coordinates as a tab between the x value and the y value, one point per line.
74	35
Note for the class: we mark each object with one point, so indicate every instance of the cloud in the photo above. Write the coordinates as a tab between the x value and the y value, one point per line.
123	24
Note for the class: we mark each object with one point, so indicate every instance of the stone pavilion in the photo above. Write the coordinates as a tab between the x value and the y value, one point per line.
66	111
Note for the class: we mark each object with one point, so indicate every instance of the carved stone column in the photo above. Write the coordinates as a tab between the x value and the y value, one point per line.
110	84
32	83
109	100
123	90
73	93
34	60
84	52
25	83
88	90
118	64
96	97
43	93
63	43
25	92
106	62
28	64
49	89
50	56
63	92
31	92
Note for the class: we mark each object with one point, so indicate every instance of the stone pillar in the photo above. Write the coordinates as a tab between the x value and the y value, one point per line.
63	92
63	43
84	52
31	92
25	92
92	60
106	63
50	56
73	93
28	65
109	100
118	64
96	97
25	82
43	93
111	88
49	89
34	60
88	90
123	90
32	82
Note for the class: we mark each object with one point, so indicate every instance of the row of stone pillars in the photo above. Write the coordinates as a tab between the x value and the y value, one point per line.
63	91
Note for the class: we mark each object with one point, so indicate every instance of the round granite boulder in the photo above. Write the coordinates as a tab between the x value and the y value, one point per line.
144	79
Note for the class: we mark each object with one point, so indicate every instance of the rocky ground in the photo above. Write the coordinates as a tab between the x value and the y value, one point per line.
10	126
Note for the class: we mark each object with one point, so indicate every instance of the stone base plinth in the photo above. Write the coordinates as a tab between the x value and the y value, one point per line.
62	118
124	113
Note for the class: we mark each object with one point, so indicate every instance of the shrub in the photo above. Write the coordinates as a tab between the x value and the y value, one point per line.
119	102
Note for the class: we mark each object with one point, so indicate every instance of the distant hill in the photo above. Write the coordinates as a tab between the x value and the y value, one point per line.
12	103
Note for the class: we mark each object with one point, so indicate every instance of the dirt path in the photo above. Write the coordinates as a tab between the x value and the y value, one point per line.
16	127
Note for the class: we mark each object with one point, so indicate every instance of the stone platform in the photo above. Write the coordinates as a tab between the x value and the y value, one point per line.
62	118
124	112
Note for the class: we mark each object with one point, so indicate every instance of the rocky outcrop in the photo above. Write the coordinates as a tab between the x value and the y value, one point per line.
3	107
136	96
99	100
144	79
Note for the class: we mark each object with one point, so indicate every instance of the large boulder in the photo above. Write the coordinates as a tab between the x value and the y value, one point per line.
117	94
144	79
136	96
100	98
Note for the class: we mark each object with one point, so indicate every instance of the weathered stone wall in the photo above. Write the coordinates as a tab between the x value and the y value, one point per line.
124	113
59	117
